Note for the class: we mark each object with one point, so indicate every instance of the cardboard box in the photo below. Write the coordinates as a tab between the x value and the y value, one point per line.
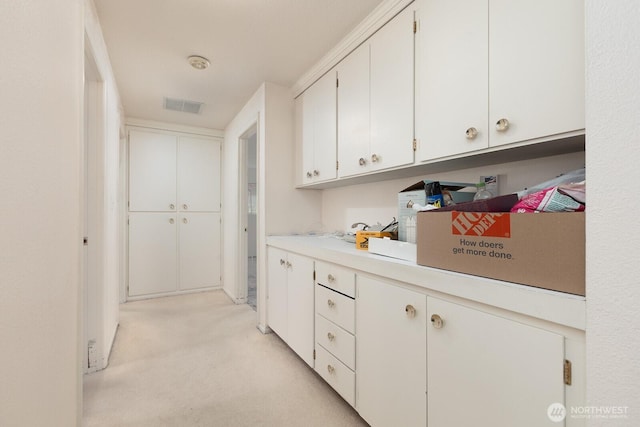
362	238
416	194
545	250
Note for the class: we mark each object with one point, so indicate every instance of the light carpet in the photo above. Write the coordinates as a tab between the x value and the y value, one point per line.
198	360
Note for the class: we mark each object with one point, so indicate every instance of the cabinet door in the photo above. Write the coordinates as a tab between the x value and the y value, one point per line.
152	253
392	93
353	112
319	130
277	291
152	171
198	174
451	77
391	380
199	250
487	370
300	307
536	63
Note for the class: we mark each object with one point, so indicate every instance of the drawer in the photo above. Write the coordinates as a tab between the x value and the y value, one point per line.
336	307
337	374
337	341
337	278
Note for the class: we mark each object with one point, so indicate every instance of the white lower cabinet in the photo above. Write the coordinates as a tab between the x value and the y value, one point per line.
170	252
290	309
391	377
486	370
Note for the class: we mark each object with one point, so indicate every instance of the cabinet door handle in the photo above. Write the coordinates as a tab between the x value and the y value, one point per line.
502	125
411	311
185	207
331	369
471	133
330	336
184	220
374	158
362	161
331	278
172	206
309	175
281	261
437	321
316	172
330	303
171	221
289	265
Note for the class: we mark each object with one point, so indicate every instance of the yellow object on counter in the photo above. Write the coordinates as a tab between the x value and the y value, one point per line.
362	238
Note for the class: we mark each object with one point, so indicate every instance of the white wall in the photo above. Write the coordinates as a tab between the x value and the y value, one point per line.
378	201
40	216
281	208
613	231
102	309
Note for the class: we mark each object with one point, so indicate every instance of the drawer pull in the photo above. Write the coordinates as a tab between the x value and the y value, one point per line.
330	303
411	311
281	261
331	369
502	125
331	278
330	336
437	321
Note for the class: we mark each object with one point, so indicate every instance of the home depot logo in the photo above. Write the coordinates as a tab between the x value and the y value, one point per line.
481	224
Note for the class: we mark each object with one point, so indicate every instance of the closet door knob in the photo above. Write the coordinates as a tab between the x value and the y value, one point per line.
309	175
184	220
289	265
185	207
331	303
471	133
374	158
172	206
502	125
331	369
331	278
281	261
362	161
330	336
171	221
316	172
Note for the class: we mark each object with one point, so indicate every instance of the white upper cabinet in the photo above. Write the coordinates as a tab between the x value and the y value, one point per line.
502	72
198	174
353	112
152	171
392	93
536	63
375	101
451	77
319	130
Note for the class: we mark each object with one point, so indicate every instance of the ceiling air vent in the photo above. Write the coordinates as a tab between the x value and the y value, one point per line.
183	105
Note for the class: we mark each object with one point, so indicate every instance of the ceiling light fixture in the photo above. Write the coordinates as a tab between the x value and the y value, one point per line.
199	62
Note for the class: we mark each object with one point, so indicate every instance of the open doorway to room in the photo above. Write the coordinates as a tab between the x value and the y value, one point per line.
248	211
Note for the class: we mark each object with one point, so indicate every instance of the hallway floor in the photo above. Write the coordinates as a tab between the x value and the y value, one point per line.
198	360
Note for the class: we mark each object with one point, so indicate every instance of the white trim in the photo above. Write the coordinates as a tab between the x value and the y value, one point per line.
372	23
152	124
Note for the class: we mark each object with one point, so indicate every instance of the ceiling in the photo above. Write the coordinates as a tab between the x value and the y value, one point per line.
246	41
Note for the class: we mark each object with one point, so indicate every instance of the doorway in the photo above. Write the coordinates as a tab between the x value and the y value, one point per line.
252	219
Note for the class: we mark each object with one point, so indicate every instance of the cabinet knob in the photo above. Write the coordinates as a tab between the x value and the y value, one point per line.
172	206
330	278
362	161
316	172
289	265
281	261
437	321
309	175
184	220
330	369
330	303
171	221
411	311
185	207
502	125
471	133
374	158
330	336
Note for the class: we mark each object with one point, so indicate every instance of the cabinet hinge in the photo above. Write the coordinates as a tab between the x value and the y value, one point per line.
567	372
314	355
314	275
337	164
415	27
415	144
128	204
337	82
